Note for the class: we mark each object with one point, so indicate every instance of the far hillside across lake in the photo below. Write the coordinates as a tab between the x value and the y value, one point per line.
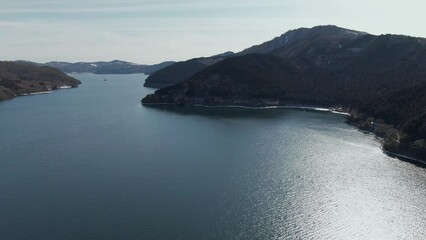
17	79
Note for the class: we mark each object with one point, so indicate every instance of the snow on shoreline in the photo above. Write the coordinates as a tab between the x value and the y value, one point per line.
34	93
266	107
282	107
43	92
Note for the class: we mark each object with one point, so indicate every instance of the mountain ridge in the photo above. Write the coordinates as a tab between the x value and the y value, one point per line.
105	67
180	71
364	74
183	70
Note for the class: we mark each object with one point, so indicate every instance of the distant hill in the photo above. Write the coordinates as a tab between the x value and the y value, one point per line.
26	78
180	71
379	79
113	67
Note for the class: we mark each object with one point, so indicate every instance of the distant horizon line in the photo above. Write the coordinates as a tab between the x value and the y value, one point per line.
205	55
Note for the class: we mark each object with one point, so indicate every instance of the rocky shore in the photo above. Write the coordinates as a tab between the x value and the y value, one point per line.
396	142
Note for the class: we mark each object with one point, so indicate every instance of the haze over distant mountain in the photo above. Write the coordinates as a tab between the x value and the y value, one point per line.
26	78
180	71
324	66
112	67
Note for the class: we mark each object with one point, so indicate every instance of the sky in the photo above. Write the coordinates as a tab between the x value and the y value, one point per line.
152	31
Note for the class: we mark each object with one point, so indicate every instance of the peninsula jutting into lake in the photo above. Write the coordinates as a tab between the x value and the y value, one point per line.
379	80
212	120
25	78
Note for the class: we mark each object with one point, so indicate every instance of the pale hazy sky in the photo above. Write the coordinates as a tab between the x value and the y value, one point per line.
151	31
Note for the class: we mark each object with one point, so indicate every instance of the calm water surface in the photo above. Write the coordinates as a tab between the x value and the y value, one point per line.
92	163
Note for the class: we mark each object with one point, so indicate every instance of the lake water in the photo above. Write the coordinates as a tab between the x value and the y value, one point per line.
92	163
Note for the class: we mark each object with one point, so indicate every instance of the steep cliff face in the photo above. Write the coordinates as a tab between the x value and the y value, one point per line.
21	79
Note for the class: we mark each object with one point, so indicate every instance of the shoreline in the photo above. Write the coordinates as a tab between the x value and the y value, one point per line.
401	157
406	158
33	93
311	108
44	92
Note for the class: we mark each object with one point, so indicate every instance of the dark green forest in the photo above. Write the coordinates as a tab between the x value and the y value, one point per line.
380	80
